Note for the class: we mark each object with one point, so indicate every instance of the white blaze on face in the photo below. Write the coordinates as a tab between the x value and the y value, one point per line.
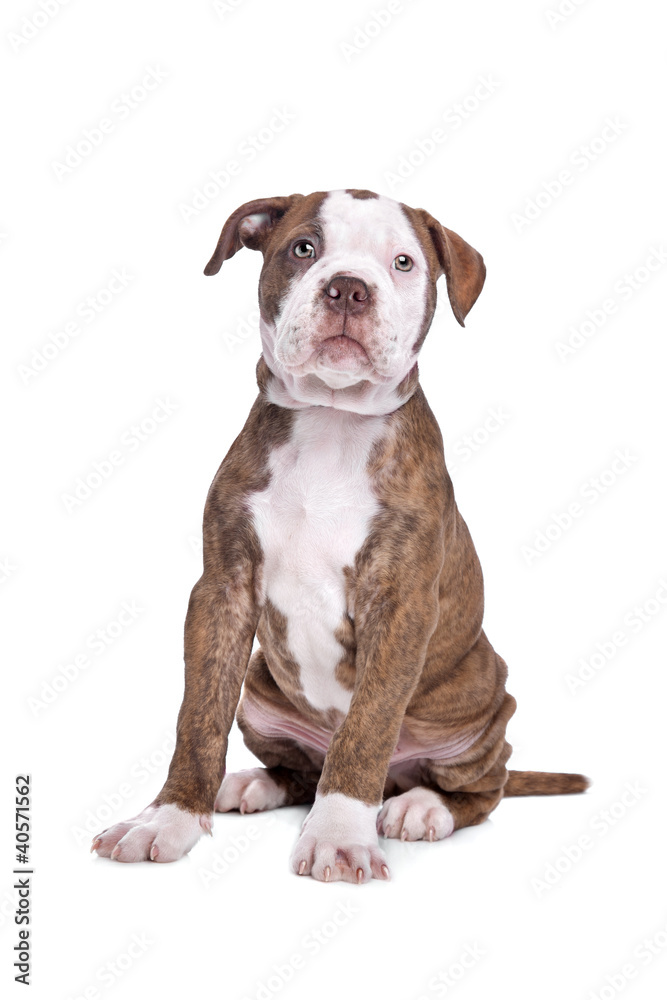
361	239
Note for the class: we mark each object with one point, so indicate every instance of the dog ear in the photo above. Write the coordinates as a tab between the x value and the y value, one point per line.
461	264
249	226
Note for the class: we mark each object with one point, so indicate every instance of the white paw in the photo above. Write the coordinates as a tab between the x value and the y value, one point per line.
159	833
419	814
339	843
249	791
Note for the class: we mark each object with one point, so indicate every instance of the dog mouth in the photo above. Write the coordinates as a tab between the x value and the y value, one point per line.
342	352
335	355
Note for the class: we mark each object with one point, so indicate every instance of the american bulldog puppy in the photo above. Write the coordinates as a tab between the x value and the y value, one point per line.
331	534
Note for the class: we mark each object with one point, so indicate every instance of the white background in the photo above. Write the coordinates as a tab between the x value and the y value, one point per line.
169	335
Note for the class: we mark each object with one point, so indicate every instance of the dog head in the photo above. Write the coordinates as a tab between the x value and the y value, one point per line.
348	286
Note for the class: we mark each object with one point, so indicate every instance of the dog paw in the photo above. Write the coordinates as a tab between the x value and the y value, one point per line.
249	791
419	814
159	833
339	843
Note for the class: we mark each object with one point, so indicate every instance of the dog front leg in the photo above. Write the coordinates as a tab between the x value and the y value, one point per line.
339	840
219	630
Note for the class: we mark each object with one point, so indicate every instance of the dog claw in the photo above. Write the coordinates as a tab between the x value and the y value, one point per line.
360	875
302	867
418	814
385	871
135	839
327	873
243	808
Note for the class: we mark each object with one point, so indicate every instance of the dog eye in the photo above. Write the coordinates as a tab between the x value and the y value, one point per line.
403	262
304	249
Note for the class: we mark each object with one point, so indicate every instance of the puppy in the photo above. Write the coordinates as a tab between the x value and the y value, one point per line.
331	534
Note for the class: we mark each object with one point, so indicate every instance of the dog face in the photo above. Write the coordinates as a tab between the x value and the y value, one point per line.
347	291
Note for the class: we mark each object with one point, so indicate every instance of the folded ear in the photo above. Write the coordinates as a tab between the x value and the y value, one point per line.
249	226
461	264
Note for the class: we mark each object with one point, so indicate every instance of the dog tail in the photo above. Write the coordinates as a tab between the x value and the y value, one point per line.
544	783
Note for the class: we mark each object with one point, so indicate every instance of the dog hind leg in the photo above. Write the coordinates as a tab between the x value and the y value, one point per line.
439	804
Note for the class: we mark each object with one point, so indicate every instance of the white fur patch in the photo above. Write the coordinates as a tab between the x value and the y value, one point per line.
339	841
363	237
311	521
158	833
252	790
419	814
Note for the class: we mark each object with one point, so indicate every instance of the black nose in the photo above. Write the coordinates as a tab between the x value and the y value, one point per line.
345	293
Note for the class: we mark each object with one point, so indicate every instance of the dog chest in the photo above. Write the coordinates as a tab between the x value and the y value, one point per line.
311	521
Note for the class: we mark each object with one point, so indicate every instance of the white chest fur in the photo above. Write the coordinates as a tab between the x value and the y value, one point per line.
311	521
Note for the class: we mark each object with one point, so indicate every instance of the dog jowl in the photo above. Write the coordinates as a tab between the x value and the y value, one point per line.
331	534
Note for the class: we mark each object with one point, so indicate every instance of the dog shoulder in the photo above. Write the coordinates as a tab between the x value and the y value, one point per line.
229	535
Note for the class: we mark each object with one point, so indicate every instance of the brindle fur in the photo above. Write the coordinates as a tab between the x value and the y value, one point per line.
414	652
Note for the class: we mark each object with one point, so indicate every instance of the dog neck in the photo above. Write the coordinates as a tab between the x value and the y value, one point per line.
299	392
